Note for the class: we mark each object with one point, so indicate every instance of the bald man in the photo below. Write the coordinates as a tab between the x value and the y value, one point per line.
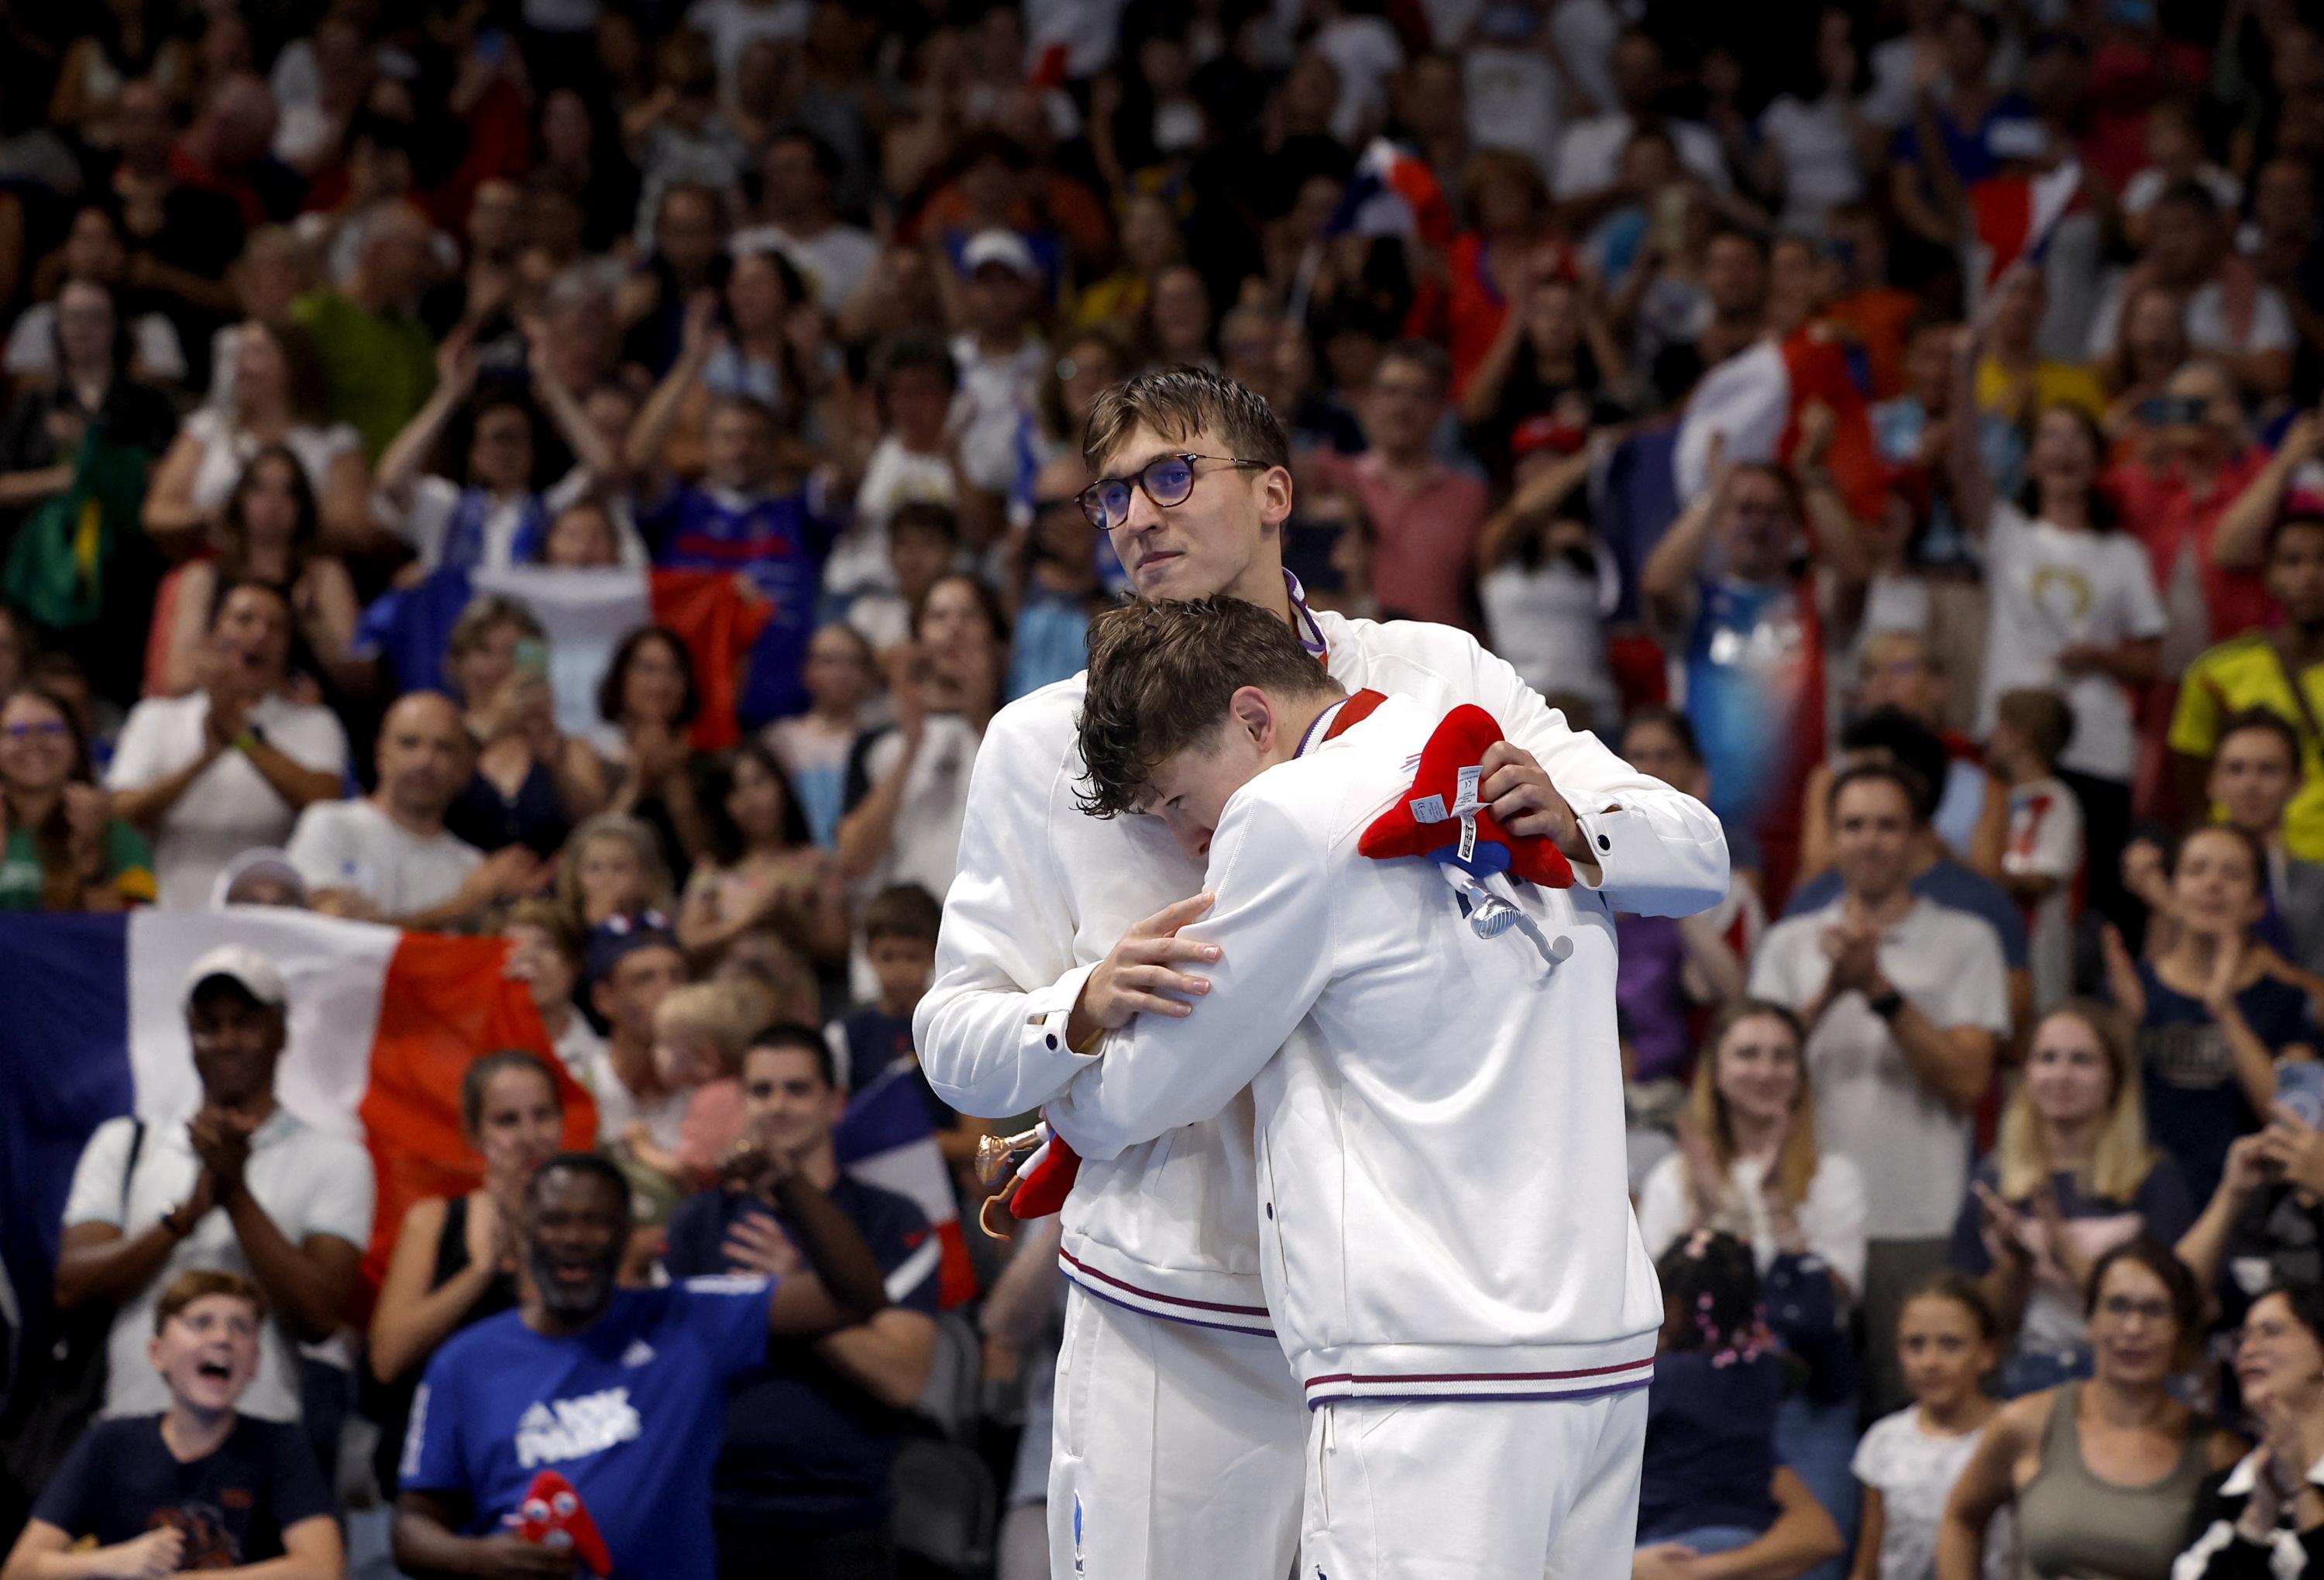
387	856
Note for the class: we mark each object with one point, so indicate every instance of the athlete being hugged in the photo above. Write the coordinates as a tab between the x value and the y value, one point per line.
1180	1432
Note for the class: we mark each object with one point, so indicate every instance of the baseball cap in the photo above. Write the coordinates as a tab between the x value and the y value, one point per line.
266	864
1004	247
243	966
617	937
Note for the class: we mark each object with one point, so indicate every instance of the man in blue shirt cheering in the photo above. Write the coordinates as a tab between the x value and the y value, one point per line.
620	1391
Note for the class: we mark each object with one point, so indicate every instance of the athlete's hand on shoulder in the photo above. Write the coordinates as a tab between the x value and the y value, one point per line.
1517	789
508	1556
1139	973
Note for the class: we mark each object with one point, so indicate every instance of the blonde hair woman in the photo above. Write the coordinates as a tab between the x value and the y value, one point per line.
1748	1161
2072	1176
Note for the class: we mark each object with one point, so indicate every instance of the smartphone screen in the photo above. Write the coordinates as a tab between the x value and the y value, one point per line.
531	656
2299	1086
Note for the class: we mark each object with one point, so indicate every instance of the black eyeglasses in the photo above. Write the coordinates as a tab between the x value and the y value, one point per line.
1165	479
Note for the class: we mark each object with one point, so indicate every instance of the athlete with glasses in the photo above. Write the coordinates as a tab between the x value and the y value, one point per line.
1180	1442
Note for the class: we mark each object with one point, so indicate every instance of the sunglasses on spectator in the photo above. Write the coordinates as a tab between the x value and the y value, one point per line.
1166	480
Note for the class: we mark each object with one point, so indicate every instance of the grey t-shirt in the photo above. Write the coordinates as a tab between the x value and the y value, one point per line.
352	844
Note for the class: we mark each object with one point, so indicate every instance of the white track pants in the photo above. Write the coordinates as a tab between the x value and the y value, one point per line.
1460	1489
1177	1451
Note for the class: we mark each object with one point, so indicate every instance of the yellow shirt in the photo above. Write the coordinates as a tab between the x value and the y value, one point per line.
2053	384
2247	673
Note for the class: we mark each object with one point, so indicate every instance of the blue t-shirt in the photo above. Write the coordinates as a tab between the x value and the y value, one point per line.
1753	678
2161	1206
1948	884
1976	150
1711	1444
806	1449
2194	1104
779	541
875	1041
629	1412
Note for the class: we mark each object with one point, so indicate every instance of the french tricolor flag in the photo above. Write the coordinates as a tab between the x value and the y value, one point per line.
2014	217
383	1024
1754	399
885	1139
1392	193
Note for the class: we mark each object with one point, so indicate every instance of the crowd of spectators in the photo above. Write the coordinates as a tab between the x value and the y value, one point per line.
1977	1134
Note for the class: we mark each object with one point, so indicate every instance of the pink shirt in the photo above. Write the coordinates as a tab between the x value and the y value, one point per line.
712	1123
1425	562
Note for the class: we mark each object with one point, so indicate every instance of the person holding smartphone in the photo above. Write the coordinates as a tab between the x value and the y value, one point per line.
531	782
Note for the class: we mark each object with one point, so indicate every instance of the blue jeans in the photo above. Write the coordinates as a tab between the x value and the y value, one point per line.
1818	1443
2032	1371
1713	1538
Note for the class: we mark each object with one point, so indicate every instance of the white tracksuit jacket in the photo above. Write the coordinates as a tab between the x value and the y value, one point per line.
1442	1202
1044	891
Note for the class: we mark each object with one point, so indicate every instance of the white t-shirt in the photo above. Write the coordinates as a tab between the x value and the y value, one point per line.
579	1048
32	350
1549	624
1913	1470
1515	102
925	846
230	806
308	1182
2205	320
1832	1216
354	845
1364	50
997	393
226	451
618	1109
893	477
833	262
2052	588
2045	840
733	26
1820	168
1909	1146
1590	153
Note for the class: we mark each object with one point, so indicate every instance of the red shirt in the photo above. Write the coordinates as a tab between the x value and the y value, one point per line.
2170	519
1424	563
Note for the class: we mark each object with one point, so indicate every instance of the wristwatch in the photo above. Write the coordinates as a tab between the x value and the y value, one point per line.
1887	1005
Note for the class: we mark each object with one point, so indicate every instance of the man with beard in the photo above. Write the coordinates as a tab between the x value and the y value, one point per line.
620	1391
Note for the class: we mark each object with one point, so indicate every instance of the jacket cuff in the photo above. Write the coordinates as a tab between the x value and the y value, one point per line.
1048	1013
1618	840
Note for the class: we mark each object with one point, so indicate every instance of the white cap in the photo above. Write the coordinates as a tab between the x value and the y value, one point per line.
245	968
1004	247
265	863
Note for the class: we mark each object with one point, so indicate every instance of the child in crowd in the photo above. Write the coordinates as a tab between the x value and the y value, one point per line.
200	1486
2041	865
1710	1482
1908	1461
913	382
842	678
612	866
923	544
582	537
900	937
546	952
699	1033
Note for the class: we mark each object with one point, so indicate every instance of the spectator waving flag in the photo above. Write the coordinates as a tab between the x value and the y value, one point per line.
885	1139
1754	399
384	1023
2014	217
1392	193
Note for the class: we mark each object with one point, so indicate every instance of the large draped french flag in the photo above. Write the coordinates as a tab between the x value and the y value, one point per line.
383	1025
